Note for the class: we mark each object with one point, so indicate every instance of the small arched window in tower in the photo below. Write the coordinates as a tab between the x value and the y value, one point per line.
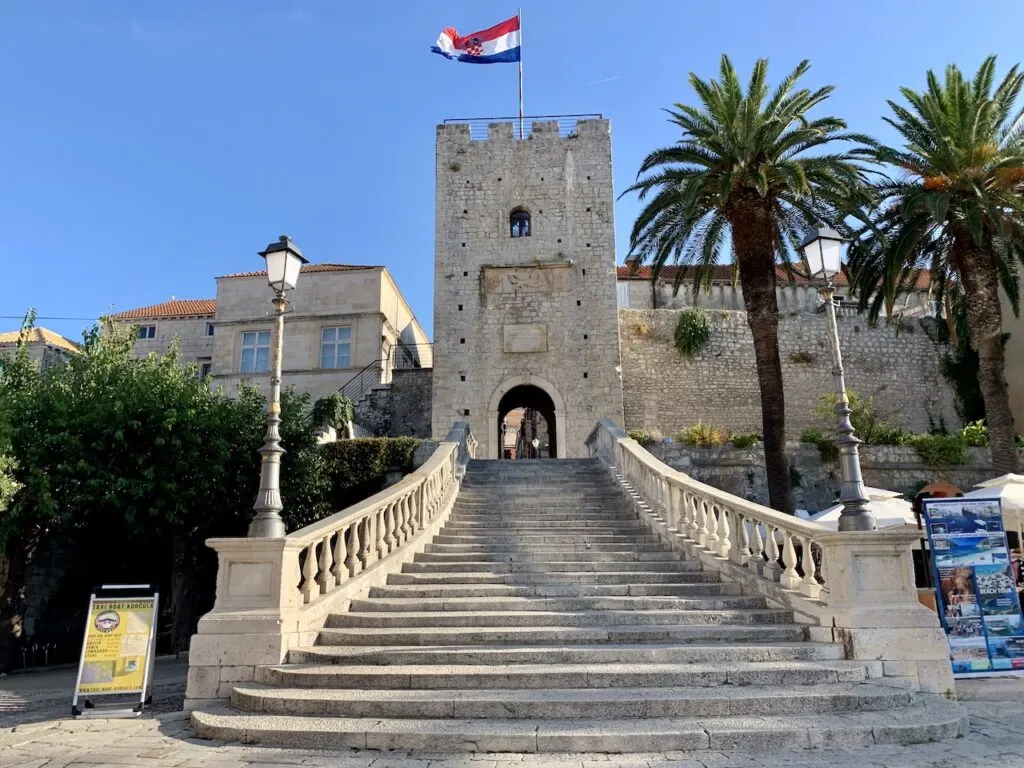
519	223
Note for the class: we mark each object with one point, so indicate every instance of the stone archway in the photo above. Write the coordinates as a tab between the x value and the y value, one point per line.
527	392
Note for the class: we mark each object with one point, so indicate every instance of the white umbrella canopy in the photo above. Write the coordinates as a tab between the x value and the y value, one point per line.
887	507
1009	489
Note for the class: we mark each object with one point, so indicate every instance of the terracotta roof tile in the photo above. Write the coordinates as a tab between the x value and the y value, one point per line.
183	308
309	268
41	335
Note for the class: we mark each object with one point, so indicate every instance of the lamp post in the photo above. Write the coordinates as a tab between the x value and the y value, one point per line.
284	262
823	250
535	443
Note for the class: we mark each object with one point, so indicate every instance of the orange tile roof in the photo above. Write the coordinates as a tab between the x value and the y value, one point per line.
309	268
41	335
183	308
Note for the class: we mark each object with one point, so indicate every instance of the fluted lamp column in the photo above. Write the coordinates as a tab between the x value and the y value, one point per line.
284	263
823	249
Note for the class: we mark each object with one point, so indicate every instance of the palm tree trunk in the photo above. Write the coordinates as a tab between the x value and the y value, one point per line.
753	236
985	328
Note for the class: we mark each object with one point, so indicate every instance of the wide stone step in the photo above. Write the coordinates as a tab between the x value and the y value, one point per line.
562	577
557	618
548	557
625	653
631	524
378	604
524	676
443	591
540	519
929	719
580	537
550	566
538	547
546	636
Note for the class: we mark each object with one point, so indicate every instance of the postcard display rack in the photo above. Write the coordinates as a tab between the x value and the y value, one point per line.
977	596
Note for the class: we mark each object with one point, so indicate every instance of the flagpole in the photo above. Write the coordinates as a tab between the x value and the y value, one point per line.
521	136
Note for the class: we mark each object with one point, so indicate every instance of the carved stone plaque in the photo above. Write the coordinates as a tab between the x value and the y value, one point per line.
525	338
539	279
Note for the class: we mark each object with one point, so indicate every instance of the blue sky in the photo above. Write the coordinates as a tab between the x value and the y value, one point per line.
147	147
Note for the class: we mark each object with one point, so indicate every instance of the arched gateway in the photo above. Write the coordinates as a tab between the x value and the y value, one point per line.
526	392
524	281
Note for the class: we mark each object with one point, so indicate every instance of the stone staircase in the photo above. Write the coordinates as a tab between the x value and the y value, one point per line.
545	617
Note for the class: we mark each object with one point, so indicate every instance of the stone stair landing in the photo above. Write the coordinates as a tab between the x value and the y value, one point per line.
545	617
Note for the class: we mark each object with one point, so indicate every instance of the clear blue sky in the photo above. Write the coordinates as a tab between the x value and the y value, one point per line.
146	147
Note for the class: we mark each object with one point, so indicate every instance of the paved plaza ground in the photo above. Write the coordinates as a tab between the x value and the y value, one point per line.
36	732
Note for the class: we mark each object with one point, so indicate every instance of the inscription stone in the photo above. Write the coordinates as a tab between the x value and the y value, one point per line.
539	279
525	338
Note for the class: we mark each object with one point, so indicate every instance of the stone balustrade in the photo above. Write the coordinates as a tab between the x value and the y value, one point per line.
855	588
275	594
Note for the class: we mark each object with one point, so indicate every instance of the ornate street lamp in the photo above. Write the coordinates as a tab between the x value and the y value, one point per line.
823	250
284	262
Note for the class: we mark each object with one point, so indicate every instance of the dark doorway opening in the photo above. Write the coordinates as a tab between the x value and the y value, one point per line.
526	424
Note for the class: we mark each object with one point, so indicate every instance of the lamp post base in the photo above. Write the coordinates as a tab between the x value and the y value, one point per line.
266	526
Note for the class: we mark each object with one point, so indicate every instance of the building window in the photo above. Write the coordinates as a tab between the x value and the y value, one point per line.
519	223
623	289
209	329
204	370
147	331
336	347
255	352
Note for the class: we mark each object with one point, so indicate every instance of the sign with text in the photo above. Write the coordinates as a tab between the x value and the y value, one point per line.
117	652
977	597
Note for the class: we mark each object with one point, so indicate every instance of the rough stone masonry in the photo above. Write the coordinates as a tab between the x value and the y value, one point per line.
537	311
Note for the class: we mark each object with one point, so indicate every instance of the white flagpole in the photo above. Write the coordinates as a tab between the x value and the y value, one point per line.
521	136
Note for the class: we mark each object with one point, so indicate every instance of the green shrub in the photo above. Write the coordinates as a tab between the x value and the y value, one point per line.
975	434
356	466
940	450
886	435
827	447
703	434
692	331
745	441
645	436
333	410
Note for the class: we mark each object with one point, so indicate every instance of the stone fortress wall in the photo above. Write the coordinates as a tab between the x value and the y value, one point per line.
664	390
537	310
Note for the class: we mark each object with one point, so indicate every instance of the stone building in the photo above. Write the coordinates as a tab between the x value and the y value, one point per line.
44	346
346	324
189	322
524	288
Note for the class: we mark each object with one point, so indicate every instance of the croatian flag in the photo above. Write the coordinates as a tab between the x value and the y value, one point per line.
496	45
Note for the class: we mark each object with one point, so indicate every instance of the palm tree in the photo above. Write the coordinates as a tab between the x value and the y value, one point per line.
956	208
748	169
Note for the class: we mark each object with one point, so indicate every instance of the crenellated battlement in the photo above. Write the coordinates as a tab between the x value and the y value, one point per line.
538	128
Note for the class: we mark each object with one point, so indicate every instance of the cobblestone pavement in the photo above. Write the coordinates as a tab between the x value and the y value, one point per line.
162	739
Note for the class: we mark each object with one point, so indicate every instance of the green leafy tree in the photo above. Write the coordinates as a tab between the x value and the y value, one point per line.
955	206
752	167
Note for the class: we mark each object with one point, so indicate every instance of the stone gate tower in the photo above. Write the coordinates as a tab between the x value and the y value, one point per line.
524	281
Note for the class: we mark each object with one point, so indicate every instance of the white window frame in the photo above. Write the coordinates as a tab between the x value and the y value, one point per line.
622	287
256	342
331	343
147	332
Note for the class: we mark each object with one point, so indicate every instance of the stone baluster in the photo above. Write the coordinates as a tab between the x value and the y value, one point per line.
378	529
702	522
406	521
364	539
724	532
340	569
756	546
739	553
325	578
389	527
353	549
809	586
711	540
693	524
770	570
789	579
309	572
